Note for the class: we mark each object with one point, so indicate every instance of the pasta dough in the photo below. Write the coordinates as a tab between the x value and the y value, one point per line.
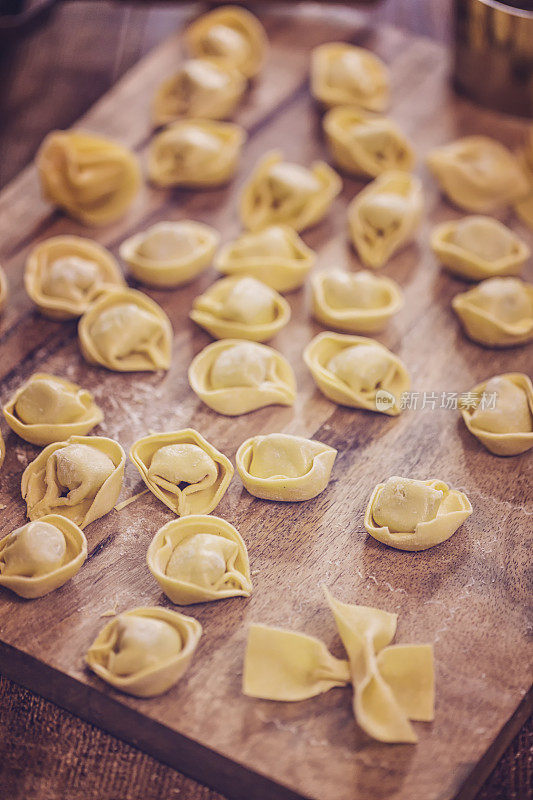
357	372
479	247
505	427
279	466
41	556
384	216
241	308
170	253
362	144
415	515
478	174
197	559
195	152
498	312
92	178
234	377
359	302
205	88
183	470
280	192
277	256
345	75
145	651
126	331
79	478
49	409
3	288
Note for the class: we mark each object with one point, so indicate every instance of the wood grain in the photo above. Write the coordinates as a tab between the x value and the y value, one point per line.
467	596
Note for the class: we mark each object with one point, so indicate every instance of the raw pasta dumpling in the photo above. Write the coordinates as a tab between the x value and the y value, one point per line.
79	478
280	192
195	152
126	331
92	178
345	75
524	206
277	256
362	144
183	470
357	372
479	247
200	558
3	288
414	515
48	409
478	174
359	302
279	466
145	651
498	312
170	253
384	216
241	308
41	556
234	377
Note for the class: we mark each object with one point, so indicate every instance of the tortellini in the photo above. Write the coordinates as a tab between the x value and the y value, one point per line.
183	470
280	192
231	33
478	174
362	144
384	216
170	253
415	515
92	178
200	558
524	206
345	75
3	288
144	652
41	556
195	152
48	409
235	376
126	331
505	427
277	256
359	302
479	247
205	88
357	372
279	466
498	312
79	478
241	308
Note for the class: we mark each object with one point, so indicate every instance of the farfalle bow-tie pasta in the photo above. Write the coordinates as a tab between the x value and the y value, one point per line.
195	152
144	652
3	288
280	192
358	372
80	479
234	377
93	178
183	470
345	75
48	409
170	253
197	559
502	415
41	556
279	466
498	312
126	331
384	216
414	515
392	684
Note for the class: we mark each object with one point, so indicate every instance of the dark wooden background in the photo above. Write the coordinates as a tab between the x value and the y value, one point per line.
48	78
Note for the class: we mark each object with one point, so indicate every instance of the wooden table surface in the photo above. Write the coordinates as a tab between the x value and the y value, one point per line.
53	75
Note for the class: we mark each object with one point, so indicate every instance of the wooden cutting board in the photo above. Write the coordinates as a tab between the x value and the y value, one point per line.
467	596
